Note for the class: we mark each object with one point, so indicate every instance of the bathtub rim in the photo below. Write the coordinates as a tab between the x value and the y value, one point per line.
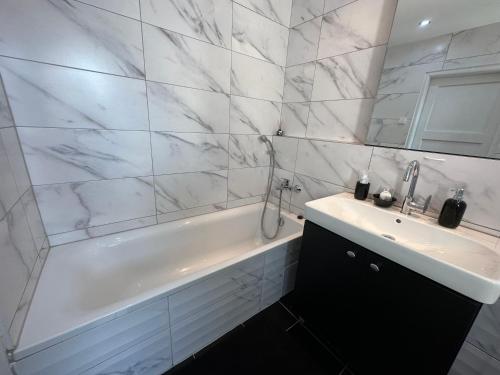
153	295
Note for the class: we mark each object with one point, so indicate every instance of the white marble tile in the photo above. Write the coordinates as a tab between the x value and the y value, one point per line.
437	177
15	268
70	155
312	188
129	8
259	37
247	151
485	332
277	10
207	20
299	82
388	132
482	40
176	59
101	230
182	214
395	106
470	62
9	193
33	218
245	201
360	25
303	42
351	76
406	79
335	4
16	159
338	163
71	33
247	182
188	190
340	120
286	152
254	116
294	119
188	152
79	205
181	109
23	306
5	115
305	10
472	361
256	79
46	95
422	52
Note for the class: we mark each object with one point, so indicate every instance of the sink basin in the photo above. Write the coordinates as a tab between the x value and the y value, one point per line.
462	259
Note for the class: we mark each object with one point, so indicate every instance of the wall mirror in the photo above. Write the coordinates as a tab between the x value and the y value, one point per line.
440	86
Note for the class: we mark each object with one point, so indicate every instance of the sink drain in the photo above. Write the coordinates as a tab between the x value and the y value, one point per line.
392	238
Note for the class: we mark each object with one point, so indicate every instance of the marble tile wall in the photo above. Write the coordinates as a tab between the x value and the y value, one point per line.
23	242
132	113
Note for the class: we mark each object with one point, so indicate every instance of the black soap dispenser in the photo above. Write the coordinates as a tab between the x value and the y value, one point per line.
362	187
453	210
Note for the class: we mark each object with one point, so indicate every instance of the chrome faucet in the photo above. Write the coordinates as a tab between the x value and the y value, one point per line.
409	204
285	185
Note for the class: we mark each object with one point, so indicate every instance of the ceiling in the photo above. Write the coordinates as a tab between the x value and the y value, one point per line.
446	16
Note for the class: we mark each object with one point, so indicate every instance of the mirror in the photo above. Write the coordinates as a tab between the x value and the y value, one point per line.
440	85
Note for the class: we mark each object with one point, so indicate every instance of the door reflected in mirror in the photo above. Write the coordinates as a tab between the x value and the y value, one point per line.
440	86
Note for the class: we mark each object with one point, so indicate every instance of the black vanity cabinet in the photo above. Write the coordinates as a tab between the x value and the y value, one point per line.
377	315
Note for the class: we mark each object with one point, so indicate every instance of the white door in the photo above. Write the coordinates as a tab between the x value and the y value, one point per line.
460	115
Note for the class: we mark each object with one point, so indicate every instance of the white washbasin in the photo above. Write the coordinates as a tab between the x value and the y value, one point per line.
462	259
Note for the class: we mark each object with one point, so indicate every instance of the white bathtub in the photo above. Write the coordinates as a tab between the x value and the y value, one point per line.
89	285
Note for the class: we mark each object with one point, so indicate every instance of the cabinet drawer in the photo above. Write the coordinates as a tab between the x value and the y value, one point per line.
96	345
237	279
151	357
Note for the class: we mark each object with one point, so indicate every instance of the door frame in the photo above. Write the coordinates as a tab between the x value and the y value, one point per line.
425	91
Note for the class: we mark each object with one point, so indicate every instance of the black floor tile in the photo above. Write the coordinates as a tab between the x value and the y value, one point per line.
263	345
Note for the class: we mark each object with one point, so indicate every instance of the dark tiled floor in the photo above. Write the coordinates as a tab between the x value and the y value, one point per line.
264	344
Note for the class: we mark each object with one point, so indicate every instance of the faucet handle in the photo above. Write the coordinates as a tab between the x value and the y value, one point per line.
427	204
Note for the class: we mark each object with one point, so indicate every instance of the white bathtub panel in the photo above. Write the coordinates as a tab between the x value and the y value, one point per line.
150	357
88	349
199	330
207	292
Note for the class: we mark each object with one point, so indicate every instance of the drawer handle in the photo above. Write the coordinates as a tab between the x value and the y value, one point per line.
374	267
351	254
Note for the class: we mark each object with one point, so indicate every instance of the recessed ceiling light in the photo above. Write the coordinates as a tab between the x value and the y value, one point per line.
424	23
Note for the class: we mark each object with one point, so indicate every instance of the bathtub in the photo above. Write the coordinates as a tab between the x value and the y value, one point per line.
144	300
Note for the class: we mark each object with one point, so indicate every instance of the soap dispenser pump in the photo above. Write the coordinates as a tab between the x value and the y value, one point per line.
362	187
453	210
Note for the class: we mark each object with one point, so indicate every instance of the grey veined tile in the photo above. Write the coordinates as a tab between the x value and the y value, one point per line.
294	119
62	31
351	76
189	152
299	83
16	158
303	42
79	205
247	151
247	182
305	10
485	333
475	42
176	192
335	4
129	8
5	115
337	163
69	155
256	79
258	36
9	193
46	95
208	20
254	116
360	25
277	10
181	109
180	60
472	361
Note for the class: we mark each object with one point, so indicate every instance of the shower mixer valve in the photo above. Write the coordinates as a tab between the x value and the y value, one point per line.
285	185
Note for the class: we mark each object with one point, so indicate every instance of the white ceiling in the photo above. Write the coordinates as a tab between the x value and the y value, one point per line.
446	16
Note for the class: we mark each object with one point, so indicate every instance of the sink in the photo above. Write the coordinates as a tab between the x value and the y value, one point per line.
462	259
